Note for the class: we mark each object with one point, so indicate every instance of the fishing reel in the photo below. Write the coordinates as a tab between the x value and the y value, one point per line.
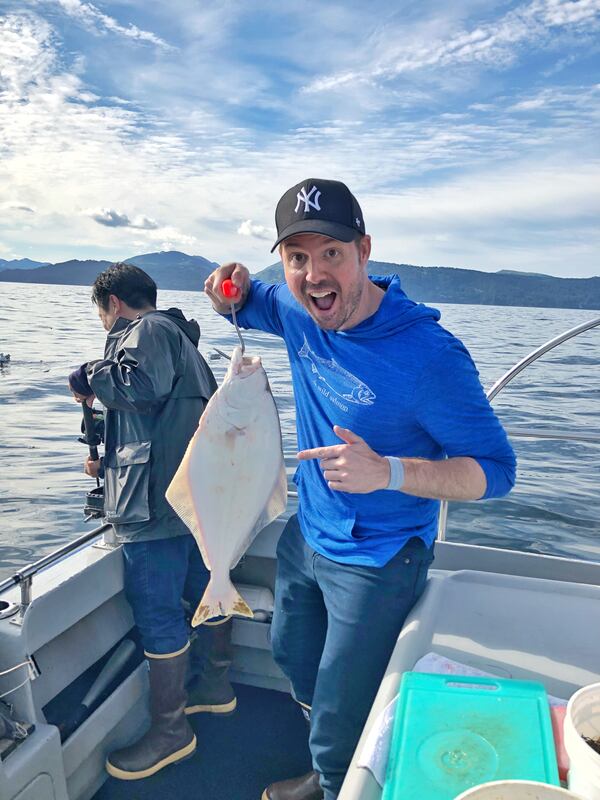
94	503
92	428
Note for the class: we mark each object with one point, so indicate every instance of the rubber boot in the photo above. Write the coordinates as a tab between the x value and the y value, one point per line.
209	690
170	738
307	787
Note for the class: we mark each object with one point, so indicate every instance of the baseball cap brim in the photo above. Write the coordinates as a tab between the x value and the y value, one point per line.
334	230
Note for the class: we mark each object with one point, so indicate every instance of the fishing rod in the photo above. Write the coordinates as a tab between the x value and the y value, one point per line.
113	668
92	429
92	438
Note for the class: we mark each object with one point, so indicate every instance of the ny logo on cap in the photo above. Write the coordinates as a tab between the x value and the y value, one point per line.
305	198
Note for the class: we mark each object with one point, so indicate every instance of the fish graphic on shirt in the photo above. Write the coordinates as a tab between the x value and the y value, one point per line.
337	379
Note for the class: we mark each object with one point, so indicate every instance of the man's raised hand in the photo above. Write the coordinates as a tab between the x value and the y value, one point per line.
239	276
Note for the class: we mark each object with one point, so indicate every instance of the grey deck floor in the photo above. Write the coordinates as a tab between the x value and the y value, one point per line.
264	741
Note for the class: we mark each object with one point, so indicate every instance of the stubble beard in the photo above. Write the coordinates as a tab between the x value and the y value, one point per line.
348	307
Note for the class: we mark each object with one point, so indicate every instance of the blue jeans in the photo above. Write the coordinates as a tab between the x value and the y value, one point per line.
333	632
158	574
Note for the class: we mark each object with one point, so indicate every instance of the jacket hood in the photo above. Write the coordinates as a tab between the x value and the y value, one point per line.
189	326
395	313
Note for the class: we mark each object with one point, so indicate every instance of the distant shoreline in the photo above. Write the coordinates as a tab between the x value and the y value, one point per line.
430	301
178	271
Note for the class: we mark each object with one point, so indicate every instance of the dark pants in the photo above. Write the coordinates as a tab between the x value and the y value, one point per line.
158	574
334	629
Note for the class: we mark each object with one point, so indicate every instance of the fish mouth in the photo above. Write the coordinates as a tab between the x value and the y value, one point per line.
243	365
249	366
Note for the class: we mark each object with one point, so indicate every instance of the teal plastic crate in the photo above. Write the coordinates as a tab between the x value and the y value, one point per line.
451	733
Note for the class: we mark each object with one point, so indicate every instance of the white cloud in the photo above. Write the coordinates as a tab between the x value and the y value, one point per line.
495	43
249	228
518	217
88	97
173	236
568	12
115	219
519	193
111	218
584	101
529	105
15	205
26	56
65	155
143	222
96	20
103	173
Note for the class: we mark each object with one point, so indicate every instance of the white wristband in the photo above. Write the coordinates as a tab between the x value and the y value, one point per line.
396	473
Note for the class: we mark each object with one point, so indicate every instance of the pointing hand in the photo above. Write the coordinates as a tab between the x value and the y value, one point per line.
352	466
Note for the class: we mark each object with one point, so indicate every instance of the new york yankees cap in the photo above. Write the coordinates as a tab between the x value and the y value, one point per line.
320	206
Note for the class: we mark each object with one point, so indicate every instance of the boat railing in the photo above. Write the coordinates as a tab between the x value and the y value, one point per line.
24	577
531	433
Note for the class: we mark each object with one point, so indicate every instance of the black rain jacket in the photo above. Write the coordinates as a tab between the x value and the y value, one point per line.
154	385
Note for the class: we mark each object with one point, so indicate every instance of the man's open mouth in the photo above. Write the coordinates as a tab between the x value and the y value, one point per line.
323	300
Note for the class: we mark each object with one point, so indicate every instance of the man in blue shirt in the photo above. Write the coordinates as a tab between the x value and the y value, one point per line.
391	418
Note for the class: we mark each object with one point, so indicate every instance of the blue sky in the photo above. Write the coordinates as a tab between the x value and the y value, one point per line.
469	130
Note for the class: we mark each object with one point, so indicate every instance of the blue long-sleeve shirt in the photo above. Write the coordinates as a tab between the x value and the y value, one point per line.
401	382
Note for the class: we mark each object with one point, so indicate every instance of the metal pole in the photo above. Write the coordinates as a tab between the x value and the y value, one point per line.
535	354
26	584
26	574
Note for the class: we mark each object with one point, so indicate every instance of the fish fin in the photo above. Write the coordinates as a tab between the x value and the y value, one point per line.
220	602
179	496
274	507
277	502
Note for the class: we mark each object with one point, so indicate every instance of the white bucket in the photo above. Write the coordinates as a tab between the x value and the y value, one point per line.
517	790
583	719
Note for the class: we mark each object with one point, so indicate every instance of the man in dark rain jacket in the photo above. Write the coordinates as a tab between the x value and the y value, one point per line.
155	385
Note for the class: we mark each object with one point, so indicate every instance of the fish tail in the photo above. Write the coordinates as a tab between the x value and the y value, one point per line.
220	601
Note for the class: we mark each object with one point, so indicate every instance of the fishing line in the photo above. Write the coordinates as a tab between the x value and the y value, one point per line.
232	292
28	663
14	689
237	328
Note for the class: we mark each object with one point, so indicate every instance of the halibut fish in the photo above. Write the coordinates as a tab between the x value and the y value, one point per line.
231	481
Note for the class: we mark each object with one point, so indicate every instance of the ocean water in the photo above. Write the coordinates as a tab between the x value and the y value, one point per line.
50	330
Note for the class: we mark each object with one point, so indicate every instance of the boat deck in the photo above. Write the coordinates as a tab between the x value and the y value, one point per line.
265	740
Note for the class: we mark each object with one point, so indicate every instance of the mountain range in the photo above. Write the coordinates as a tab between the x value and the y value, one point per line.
503	288
21	263
176	270
170	270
